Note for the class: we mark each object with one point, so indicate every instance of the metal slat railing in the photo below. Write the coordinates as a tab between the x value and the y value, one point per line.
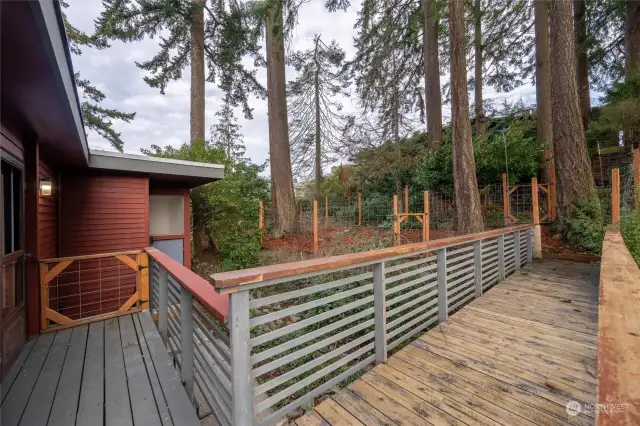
295	330
298	329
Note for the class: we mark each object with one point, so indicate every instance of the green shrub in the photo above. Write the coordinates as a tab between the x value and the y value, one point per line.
630	229
582	225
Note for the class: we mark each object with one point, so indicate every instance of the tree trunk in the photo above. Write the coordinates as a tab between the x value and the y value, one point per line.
196	123
464	167
575	179
582	65
544	121
632	37
433	95
477	31
282	197
318	145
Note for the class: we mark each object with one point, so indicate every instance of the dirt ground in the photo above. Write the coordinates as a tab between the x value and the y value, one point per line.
554	247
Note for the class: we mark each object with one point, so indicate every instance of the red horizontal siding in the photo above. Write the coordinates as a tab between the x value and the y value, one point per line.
48	214
102	214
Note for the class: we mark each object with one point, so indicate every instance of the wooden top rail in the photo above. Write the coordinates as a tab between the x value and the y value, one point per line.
200	288
618	333
90	256
224	280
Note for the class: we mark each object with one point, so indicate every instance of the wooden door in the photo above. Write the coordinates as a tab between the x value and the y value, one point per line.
12	298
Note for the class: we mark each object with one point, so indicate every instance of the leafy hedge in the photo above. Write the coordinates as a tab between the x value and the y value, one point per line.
630	229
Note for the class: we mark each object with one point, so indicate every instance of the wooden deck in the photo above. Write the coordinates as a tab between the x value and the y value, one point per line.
515	356
112	372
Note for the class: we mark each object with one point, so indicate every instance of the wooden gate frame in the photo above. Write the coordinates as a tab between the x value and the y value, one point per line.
398	218
140	265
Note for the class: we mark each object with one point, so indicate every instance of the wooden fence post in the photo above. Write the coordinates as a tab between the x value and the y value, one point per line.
425	225
615	196
406	199
396	222
636	175
505	198
359	209
535	213
326	212
315	226
260	219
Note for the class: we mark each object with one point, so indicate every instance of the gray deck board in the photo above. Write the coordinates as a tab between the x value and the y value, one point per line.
143	404
113	372
117	406
91	405
15	369
161	402
182	411
65	404
15	402
39	406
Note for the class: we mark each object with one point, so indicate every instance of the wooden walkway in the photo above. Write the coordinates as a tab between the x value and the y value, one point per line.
113	372
515	356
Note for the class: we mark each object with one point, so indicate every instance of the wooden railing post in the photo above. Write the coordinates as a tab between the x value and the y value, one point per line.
186	340
406	199
380	313
501	273
241	381
143	264
425	224
315	226
163	303
396	221
44	296
505	199
359	209
516	250
441	259
477	254
615	196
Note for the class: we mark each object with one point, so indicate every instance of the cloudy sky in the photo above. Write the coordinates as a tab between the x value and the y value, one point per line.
164	119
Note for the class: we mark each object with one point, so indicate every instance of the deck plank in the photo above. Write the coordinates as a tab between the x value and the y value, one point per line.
117	408
181	409
91	404
65	403
143	403
515	356
39	406
161	402
15	368
16	400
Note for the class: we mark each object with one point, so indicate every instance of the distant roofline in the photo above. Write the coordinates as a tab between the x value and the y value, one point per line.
118	161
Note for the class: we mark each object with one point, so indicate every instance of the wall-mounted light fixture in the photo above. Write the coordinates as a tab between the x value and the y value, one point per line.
45	188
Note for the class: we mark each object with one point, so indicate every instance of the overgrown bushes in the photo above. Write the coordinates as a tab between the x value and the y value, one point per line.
582	224
630	229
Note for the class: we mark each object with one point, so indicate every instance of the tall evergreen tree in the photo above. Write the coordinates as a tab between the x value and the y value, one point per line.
544	123
464	168
575	180
582	62
632	37
96	117
478	80
317	123
183	27
225	134
433	91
